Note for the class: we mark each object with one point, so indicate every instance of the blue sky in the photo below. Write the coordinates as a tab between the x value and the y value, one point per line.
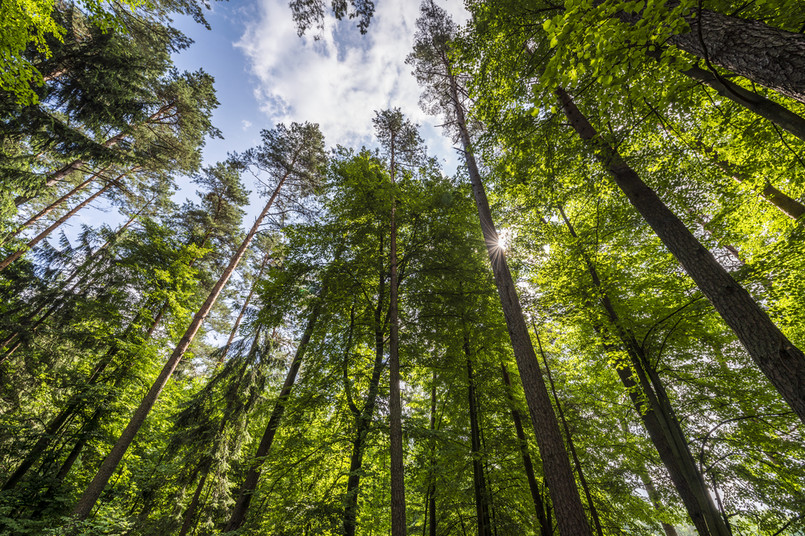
266	74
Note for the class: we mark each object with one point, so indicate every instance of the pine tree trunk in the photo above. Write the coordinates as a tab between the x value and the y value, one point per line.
558	473
252	477
190	514
44	234
766	55
98	483
53	206
243	309
528	466
479	482
781	361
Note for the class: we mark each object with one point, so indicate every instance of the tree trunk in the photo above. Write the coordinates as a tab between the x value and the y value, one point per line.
243	309
250	483
558	473
766	108
481	494
766	55
658	417
53	206
528	466
44	234
398	526
431	475
775	355
571	445
98	483
363	418
654	497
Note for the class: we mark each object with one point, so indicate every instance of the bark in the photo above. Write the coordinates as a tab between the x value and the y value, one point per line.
44	234
243	309
570	444
98	483
558	473
658	417
654	497
398	527
363	418
253	476
53	206
479	482
528	466
432	476
768	56
781	362
190	514
766	108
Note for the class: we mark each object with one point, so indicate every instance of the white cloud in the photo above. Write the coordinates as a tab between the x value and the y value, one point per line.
246	125
339	80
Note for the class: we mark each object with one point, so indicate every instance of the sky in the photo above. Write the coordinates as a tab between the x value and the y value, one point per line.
266	74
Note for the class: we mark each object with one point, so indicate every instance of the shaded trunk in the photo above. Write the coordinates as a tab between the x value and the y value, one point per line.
528	466
658	417
766	108
363	418
98	483
654	497
252	477
781	362
479	482
558	473
398	527
190	514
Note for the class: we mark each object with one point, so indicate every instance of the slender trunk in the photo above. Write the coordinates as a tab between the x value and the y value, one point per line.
528	466
654	497
73	406
398	526
53	206
243	309
363	418
768	56
252	477
766	108
658	417
98	483
571	444
784	203
481	494
781	361
558	473
190	514
432	472
44	234
77	164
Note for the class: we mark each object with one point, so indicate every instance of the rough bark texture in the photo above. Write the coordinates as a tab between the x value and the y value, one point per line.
781	361
528	466
558	473
98	483
766	55
253	476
